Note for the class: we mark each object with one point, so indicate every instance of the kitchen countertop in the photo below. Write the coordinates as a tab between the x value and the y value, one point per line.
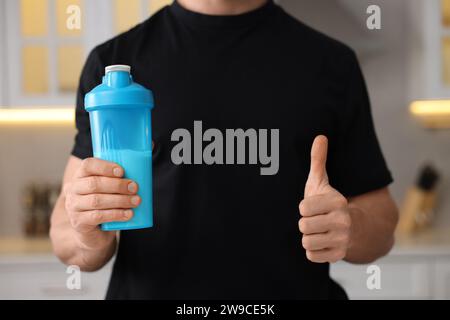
434	241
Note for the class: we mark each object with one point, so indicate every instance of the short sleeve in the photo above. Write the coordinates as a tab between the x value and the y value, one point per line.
90	78
358	165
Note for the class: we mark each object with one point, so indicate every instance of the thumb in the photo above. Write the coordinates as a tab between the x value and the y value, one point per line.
318	173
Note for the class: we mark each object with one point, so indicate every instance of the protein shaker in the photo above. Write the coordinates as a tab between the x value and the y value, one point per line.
120	117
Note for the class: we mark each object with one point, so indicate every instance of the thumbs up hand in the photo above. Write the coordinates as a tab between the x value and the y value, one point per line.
326	221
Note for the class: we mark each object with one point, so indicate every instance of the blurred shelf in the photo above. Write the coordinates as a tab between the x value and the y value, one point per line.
21	245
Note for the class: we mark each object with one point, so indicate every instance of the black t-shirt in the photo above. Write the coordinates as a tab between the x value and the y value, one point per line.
224	230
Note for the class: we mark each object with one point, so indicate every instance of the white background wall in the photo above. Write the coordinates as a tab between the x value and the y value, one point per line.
388	58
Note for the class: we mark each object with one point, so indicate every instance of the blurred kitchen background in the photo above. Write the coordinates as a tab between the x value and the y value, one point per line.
407	67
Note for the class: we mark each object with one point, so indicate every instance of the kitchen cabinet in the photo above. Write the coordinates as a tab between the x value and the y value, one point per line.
29	270
43	277
402	277
442	279
45	43
429	49
417	268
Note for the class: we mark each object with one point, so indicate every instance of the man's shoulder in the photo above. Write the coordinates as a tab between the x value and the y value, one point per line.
306	37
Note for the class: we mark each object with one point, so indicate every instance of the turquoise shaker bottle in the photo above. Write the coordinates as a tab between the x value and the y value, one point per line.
120	116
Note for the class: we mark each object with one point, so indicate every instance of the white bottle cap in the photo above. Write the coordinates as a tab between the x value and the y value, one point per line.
118	67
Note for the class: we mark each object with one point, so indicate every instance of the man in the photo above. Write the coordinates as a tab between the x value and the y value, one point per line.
227	231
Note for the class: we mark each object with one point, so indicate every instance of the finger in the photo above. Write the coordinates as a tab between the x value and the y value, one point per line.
316	224
319	150
318	256
98	167
325	255
96	217
321	204
98	184
317	241
105	201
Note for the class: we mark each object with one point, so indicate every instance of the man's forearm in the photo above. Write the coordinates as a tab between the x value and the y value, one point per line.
373	227
68	248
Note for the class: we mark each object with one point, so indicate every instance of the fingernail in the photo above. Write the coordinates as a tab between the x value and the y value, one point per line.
127	214
135	200
117	172
132	187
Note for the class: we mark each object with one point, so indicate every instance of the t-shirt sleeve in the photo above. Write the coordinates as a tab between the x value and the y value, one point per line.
90	78
358	166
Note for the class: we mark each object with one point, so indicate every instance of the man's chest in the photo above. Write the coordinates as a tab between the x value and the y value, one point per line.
245	98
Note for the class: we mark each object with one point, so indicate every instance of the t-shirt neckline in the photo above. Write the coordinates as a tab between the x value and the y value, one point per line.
218	21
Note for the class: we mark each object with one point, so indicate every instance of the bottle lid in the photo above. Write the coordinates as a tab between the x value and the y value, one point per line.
118	90
118	67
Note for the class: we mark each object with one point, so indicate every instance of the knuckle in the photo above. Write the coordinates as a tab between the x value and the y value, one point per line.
339	255
310	256
70	203
306	242
303	226
335	217
95	201
348	222
92	184
345	221
300	206
341	219
342	239
341	201
303	207
85	164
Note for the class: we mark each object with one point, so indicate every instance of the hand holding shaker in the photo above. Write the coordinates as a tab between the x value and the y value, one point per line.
120	117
